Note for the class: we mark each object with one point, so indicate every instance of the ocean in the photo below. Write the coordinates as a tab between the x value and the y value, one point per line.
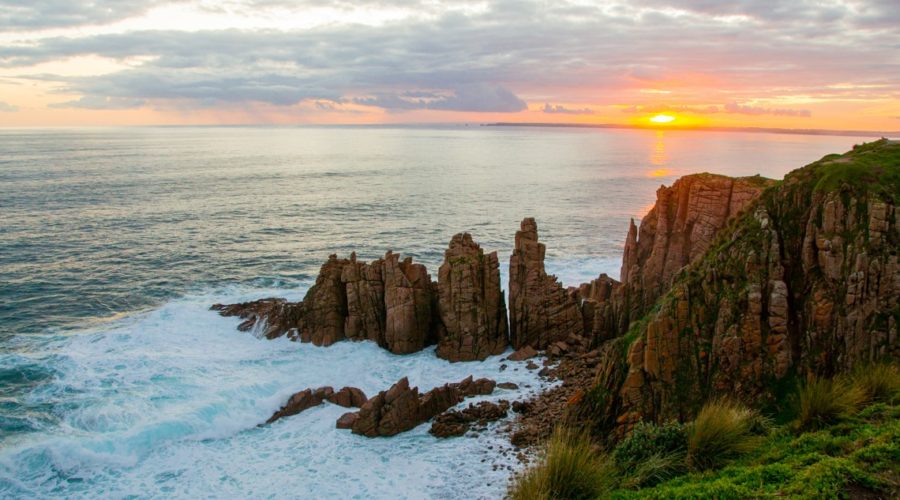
117	381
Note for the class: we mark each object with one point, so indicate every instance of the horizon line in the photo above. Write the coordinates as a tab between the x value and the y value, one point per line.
766	130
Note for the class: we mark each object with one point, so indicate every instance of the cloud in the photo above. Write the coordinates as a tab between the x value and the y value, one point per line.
697	110
464	55
16	15
560	109
8	108
733	107
474	98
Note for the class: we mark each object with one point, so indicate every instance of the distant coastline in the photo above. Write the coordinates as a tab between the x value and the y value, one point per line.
794	131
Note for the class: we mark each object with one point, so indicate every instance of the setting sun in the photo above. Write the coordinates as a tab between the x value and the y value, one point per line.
662	119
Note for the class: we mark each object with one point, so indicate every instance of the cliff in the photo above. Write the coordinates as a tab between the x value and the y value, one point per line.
804	281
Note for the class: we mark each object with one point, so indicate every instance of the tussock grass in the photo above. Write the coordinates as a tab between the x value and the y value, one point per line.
571	468
722	431
879	383
827	401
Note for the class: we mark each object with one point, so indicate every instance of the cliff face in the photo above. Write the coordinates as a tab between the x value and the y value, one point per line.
677	231
805	281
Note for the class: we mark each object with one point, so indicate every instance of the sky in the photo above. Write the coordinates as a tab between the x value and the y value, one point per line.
825	64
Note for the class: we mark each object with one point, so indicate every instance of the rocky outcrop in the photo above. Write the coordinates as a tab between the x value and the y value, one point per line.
457	422
471	305
389	301
805	281
402	408
325	306
269	318
676	232
301	401
542	311
364	287
408	299
348	397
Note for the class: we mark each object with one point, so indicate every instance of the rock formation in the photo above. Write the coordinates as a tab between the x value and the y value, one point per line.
805	281
388	301
471	305
269	318
407	299
301	401
348	397
457	422
401	408
541	310
677	231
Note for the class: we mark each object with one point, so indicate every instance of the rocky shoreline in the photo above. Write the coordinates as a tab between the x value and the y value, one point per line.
729	286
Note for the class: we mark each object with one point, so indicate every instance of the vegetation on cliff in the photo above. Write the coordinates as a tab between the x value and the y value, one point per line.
763	360
742	454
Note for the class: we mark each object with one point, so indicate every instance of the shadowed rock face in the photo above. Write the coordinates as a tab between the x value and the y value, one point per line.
471	305
388	301
805	281
541	310
401	408
676	232
408	296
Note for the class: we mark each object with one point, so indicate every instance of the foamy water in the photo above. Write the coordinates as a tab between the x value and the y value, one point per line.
167	403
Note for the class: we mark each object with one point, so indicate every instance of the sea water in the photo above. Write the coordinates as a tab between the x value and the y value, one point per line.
117	381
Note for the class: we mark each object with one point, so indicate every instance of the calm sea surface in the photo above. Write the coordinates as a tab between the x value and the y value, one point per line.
114	378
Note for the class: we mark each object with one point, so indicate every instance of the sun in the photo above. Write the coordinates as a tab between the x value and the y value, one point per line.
662	119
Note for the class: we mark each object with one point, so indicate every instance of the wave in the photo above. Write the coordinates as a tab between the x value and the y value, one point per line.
166	404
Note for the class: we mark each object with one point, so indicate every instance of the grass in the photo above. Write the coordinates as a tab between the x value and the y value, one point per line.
878	383
828	401
729	451
571	468
723	430
852	459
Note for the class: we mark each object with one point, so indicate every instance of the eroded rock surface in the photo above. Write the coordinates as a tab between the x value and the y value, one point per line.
542	311
301	401
471	304
477	415
402	408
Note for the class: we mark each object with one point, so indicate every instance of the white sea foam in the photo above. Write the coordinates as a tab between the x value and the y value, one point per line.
166	404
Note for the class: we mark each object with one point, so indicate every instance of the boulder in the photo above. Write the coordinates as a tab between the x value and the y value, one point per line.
347	420
522	354
301	401
401	408
458	422
348	397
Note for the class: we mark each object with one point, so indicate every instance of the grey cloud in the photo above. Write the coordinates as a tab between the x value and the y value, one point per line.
560	109
476	98
7	108
484	61
17	15
733	107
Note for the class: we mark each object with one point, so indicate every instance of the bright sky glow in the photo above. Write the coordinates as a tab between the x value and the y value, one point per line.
804	64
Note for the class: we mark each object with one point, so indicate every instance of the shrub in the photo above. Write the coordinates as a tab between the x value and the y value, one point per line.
721	431
879	383
647	439
827	401
570	468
